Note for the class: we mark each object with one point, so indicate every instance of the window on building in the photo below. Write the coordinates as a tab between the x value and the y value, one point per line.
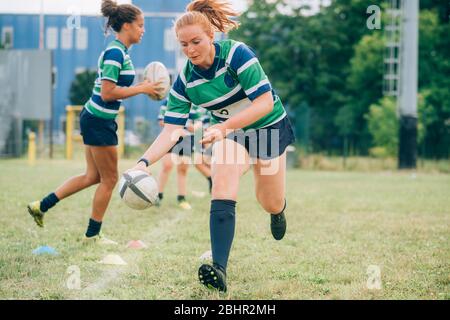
51	38
79	70
7	37
170	41
82	39
66	38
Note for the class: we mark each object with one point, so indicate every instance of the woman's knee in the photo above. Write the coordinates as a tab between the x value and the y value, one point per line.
225	186
167	166
182	169
92	178
110	179
270	202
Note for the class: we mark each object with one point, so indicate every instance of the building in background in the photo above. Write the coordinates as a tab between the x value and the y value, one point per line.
76	38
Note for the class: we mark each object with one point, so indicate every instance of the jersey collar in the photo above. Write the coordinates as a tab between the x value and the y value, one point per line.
120	44
211	72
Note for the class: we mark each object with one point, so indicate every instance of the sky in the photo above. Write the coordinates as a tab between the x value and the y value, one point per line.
92	7
88	7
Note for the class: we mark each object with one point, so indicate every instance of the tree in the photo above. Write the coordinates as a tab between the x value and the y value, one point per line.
383	126
81	88
333	64
434	83
364	87
308	58
441	7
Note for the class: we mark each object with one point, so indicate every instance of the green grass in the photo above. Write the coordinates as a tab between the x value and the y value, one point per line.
339	223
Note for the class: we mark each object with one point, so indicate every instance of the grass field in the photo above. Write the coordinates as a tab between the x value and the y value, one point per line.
339	223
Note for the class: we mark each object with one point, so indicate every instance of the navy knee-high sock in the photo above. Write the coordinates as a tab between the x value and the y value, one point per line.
48	202
221	227
93	228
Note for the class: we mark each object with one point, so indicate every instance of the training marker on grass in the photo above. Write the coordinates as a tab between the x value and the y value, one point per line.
198	194
113	259
136	244
45	250
207	255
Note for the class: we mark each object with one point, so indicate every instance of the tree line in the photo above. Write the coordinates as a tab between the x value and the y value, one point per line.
328	70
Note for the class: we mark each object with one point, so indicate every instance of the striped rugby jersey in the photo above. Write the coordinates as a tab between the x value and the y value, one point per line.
114	64
205	117
162	110
229	86
194	113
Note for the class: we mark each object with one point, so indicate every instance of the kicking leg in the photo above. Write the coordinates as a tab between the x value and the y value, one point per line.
270	183
106	161
226	172
69	187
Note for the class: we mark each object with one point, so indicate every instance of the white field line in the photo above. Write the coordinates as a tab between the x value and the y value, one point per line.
132	257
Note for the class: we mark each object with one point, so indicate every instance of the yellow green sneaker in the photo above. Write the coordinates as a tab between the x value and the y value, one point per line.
183	204
34	208
99	239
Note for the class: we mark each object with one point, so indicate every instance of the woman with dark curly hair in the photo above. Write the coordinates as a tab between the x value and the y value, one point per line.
97	119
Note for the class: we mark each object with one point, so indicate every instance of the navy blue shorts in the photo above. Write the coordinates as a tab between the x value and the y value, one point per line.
184	146
266	143
97	131
205	151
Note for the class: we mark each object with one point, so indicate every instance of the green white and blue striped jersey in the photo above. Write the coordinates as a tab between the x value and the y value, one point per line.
195	114
205	117
229	86
162	110
114	64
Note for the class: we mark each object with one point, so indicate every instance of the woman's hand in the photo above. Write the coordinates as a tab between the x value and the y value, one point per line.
214	133
140	166
159	147
184	133
151	88
111	91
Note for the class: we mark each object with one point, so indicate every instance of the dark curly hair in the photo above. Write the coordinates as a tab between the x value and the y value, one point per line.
118	14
